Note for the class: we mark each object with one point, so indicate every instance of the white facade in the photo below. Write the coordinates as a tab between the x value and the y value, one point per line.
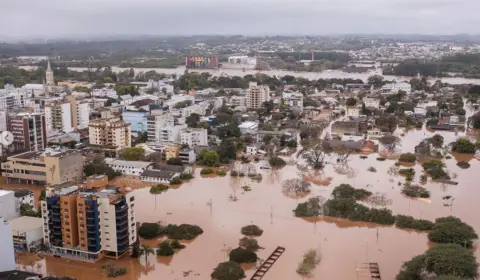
3	120
8	208
194	109
396	87
251	150
105	92
194	137
7	255
171	134
352	111
371	103
58	118
248	127
83	114
256	95
127	167
24	197
27	232
187	156
294	100
238	101
66	117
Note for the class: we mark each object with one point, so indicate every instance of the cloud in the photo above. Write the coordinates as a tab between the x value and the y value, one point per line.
85	18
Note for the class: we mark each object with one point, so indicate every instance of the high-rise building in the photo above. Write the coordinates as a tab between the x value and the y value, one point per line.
80	112
194	137
59	117
257	95
109	133
88	224
54	166
29	131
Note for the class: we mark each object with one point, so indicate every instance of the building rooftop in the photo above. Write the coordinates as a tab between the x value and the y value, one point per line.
22	192
135	164
5	192
28	155
247	124
26	224
17	275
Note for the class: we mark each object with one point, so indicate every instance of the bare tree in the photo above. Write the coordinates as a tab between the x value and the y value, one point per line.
295	187
315	154
389	142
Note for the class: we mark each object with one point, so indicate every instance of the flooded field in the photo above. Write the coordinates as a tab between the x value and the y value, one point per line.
208	203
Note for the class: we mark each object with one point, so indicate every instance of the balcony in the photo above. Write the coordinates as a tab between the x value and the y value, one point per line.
121	216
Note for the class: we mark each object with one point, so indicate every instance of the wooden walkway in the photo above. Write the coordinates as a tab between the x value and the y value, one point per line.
266	265
370	271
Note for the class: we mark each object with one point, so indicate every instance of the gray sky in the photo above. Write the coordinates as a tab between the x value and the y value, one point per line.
21	19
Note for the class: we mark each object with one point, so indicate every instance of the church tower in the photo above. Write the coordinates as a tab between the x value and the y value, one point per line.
50	82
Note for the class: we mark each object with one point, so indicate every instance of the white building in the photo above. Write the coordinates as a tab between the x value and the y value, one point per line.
352	111
194	109
251	150
238	101
8	208
294	100
248	127
396	87
27	233
171	134
23	196
58	118
105	92
127	167
7	255
194	137
161	86
257	95
83	114
371	103
187	156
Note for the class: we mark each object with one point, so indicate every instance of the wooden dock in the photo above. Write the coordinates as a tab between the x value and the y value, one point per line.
370	271
266	265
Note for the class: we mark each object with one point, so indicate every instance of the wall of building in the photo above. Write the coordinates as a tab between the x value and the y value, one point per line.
68	207
7	255
8	208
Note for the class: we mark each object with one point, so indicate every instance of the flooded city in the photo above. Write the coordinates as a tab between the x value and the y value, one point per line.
220	206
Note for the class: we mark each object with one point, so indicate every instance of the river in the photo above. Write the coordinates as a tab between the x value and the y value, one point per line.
279	73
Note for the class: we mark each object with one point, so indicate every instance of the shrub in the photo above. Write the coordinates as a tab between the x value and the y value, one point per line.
463	164
175	161
276	162
402	221
241	174
183	231
221	173
415	191
419	125
434	168
309	262
233	173
463	146
408	157
175	244
228	271
206	171
249	244
347	191
251	230
310	208
186	176
209	158
149	230
452	230
372	169
240	255
114	271
363	157
381	159
292	144
451	259
175	181
158	189
382	216
164	249
409	173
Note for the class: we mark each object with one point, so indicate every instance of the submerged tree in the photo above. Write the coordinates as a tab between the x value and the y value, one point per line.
315	154
295	187
389	142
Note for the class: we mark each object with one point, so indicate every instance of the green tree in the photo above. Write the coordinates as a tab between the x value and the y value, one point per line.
145	250
228	271
463	146
241	255
209	158
451	259
193	120
452	230
175	161
133	153
165	249
351	101
375	80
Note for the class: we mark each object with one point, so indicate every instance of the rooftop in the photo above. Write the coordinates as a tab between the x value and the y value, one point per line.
22	192
4	192
135	164
26	224
16	275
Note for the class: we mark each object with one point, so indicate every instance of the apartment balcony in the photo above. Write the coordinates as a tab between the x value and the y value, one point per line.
121	216
121	223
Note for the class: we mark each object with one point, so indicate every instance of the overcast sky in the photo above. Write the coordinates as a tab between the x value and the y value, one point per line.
21	19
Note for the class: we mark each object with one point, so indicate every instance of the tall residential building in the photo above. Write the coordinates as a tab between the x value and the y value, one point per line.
59	117
256	95
7	257
109	133
194	137
29	131
88	224
52	167
80	112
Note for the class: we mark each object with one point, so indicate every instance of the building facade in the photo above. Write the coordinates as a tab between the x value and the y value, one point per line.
109	133
7	257
88	225
8	206
194	137
29	131
60	117
257	95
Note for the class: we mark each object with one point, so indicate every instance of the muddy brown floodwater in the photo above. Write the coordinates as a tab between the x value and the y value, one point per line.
343	244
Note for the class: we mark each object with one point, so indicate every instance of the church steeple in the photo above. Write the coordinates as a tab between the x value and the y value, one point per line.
49	68
50	81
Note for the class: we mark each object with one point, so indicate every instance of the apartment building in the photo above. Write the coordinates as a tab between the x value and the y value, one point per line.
238	101
257	95
88	224
54	166
80	112
194	137
109	133
29	131
60	117
294	100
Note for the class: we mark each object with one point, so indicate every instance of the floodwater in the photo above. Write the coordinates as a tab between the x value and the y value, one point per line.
307	75
208	203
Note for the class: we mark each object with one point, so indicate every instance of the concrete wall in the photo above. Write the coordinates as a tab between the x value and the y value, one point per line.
8	209
7	255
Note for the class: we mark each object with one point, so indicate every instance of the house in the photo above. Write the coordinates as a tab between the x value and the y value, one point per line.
420	112
371	103
162	173
27	233
187	156
127	167
23	196
396	87
248	127
277	135
352	111
251	150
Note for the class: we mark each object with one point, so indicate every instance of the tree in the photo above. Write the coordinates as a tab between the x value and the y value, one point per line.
165	249
315	154
313	207
175	161
227	150
351	101
228	271
463	146
133	153
451	259
295	187
241	255
408	157
375	80
209	158
252	230
149	230
474	121
250	244
436	140
347	191
389	142
28	210
193	120
452	230
146	250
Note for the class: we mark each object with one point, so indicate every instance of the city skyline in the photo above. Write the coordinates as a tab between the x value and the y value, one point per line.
52	19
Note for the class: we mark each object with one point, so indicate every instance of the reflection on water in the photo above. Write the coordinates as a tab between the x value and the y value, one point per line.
344	244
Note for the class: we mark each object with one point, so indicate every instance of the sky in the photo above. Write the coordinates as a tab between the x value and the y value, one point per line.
48	19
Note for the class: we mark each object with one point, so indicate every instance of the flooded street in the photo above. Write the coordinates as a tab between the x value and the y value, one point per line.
343	244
